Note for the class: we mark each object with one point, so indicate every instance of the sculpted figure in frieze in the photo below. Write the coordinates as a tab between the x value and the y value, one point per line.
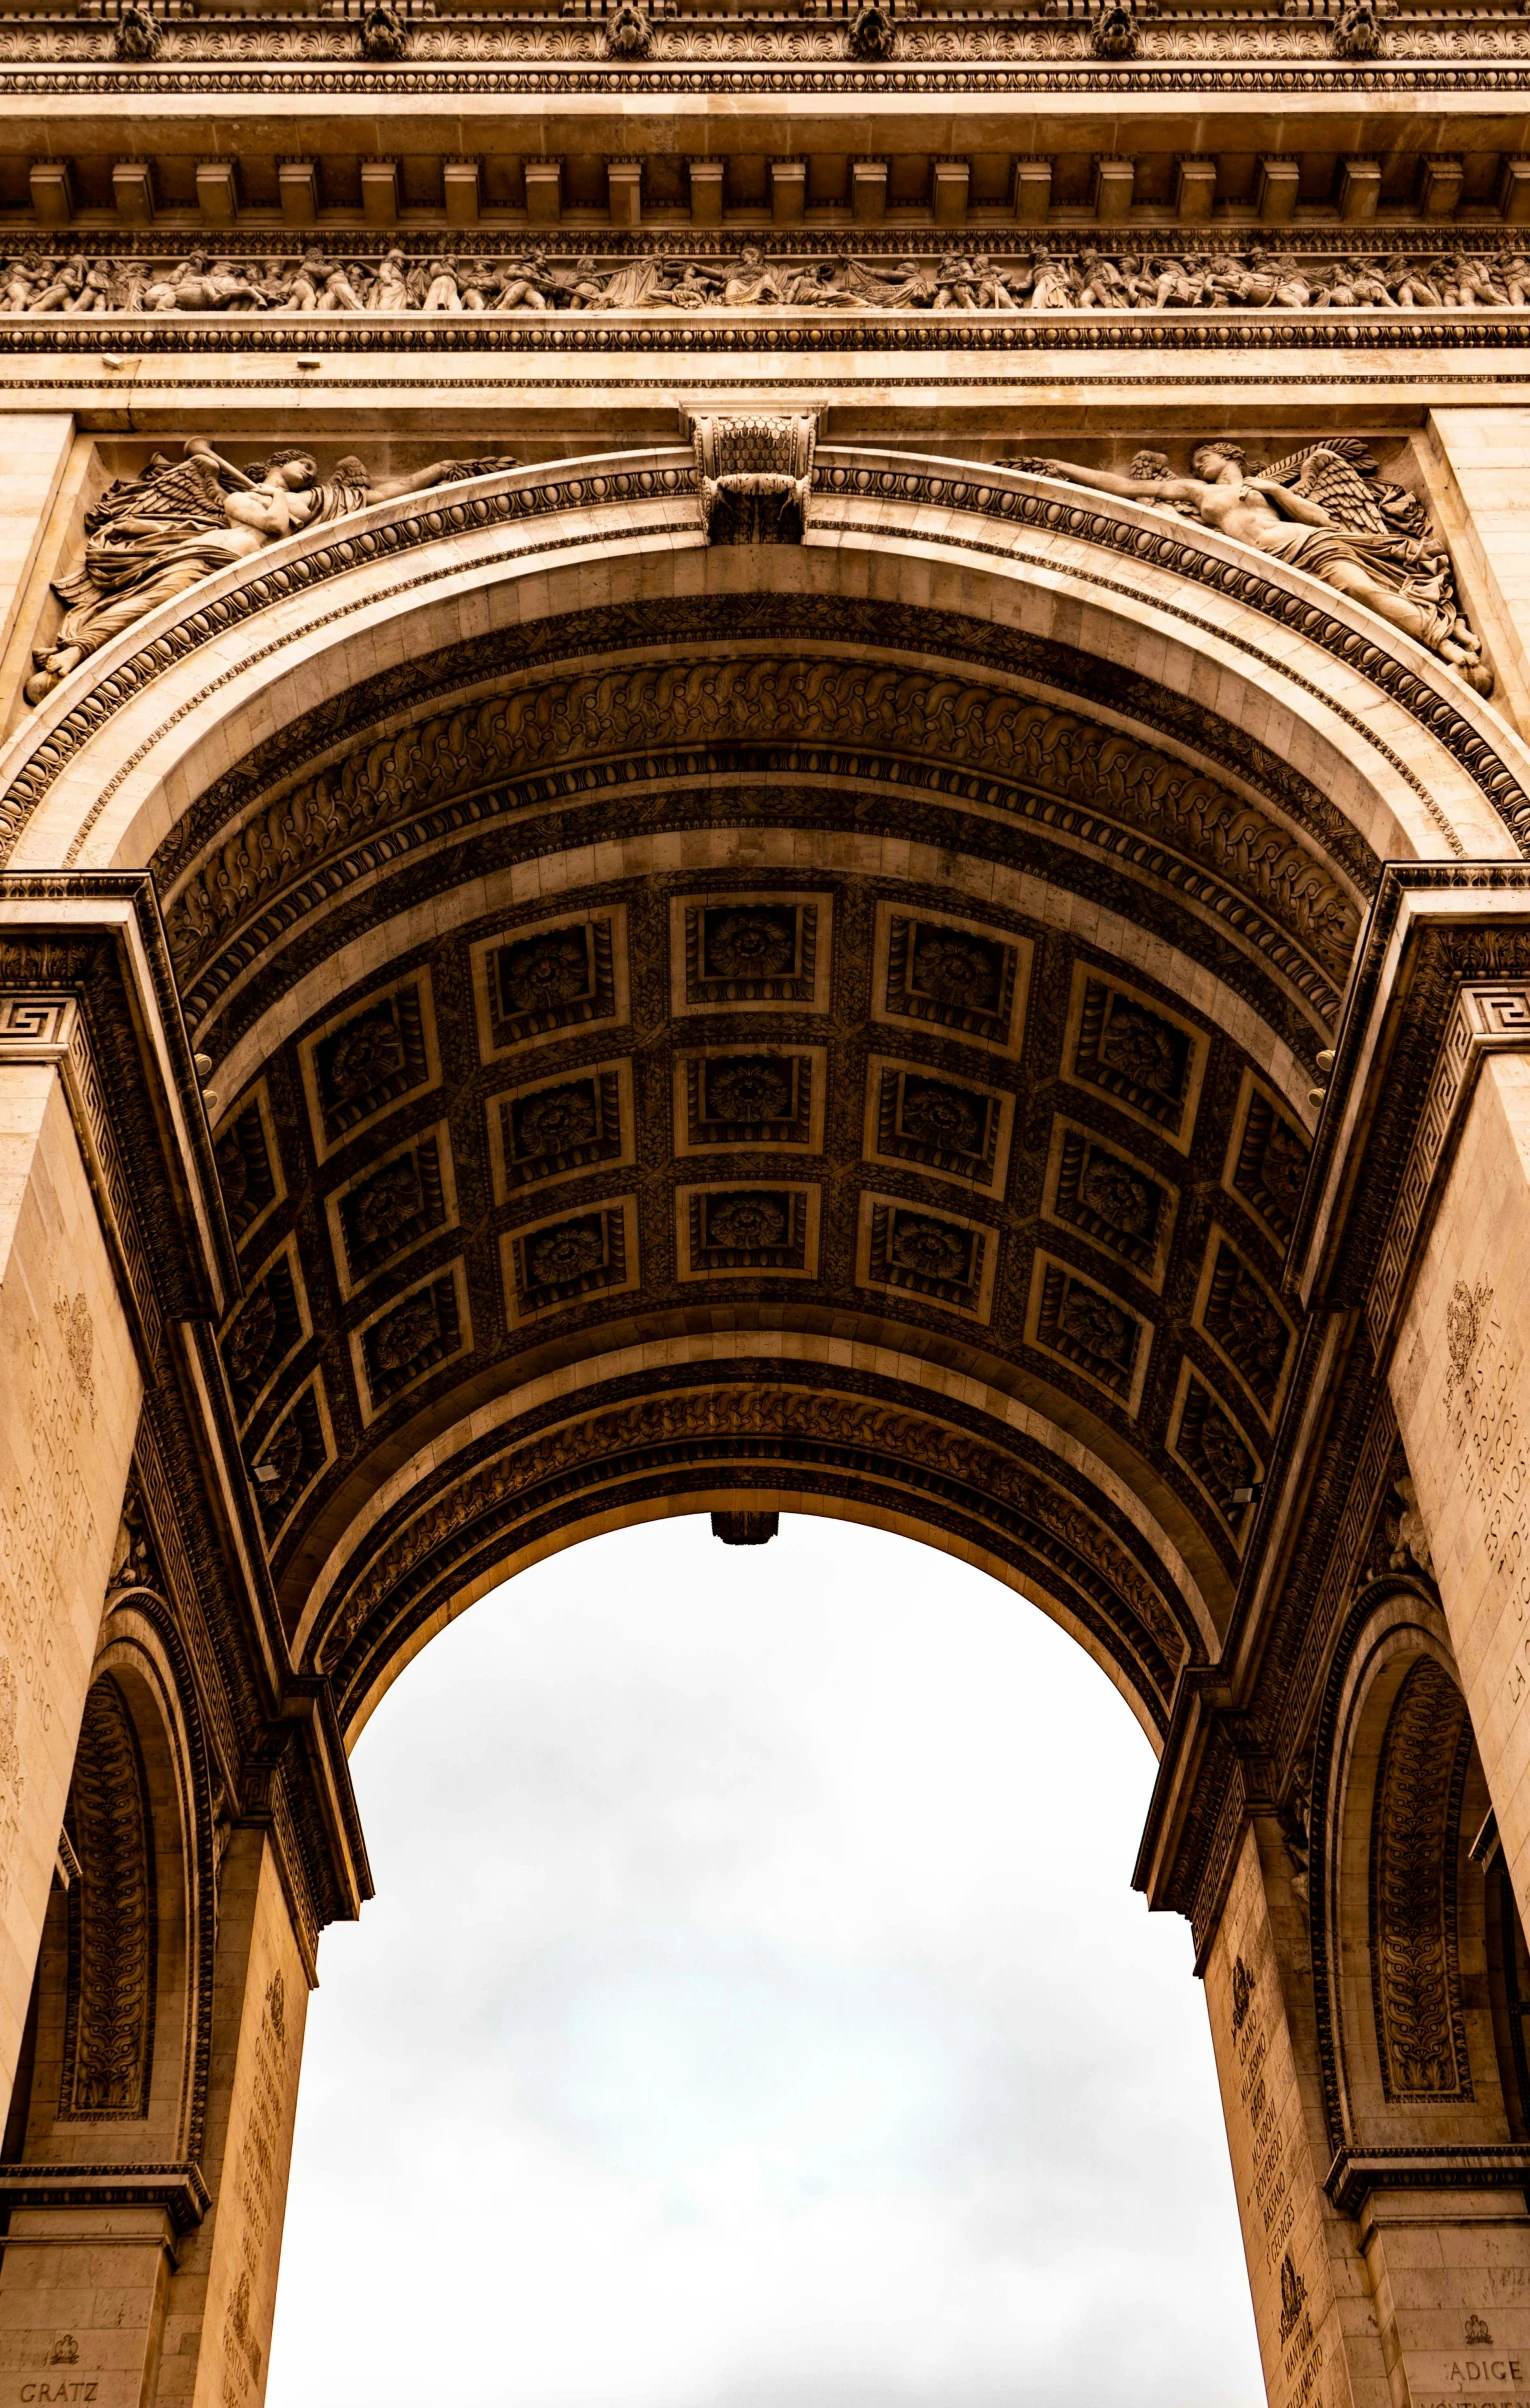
151	536
1317	511
535	282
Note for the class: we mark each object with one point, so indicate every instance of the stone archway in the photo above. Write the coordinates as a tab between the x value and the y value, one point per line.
614	1023
748	748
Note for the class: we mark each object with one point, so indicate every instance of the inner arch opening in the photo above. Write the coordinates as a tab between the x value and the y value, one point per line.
754	1985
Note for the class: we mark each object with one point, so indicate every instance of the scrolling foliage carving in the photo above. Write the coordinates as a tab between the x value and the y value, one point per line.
109	2024
1415	1970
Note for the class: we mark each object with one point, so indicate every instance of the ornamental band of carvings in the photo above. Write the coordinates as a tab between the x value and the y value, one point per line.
1005	505
109	2020
539	280
893	1438
757	701
1113	32
1416	1976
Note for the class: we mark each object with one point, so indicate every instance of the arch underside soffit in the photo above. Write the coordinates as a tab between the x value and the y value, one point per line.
761	1046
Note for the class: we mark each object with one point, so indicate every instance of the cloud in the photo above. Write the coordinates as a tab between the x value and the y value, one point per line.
719	2065
755	2013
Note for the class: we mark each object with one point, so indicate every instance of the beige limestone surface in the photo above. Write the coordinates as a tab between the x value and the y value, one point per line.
1366	2305
72	1389
1461	1381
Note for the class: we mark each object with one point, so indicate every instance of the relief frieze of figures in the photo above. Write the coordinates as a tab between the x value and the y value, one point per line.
536	280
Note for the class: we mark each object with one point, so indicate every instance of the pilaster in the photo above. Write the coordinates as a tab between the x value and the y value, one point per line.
1318	2338
73	1386
142	2232
1478	462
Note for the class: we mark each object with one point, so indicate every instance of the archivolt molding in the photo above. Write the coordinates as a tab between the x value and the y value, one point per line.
1391	663
759	1356
911	1454
829	617
1434	698
597	505
111	678
815	717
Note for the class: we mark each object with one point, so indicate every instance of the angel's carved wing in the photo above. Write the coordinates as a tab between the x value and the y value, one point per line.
179	496
1346	495
1341	478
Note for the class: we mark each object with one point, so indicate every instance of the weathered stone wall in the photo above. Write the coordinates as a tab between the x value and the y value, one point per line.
1463	1405
72	1395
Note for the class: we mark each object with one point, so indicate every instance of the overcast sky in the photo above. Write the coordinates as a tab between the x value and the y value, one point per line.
755	2013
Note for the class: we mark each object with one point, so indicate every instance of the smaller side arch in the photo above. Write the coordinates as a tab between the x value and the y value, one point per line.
119	2028
1412	2061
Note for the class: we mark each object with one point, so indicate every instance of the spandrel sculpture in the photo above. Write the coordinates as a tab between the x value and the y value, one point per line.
1318	512
152	536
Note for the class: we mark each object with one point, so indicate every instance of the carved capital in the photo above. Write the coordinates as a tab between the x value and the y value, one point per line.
1442	980
86	984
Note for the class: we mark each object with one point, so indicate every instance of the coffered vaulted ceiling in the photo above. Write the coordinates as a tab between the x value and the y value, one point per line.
870	978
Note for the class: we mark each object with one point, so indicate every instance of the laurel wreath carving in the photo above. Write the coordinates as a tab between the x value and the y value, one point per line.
109	2018
1416	1975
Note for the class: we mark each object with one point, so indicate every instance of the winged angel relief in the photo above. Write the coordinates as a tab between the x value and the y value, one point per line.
1324	511
151	536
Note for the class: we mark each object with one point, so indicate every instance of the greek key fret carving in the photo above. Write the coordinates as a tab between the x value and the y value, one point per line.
35	1021
1483	1013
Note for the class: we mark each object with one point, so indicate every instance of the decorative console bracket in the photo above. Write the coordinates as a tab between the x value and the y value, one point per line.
754	476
